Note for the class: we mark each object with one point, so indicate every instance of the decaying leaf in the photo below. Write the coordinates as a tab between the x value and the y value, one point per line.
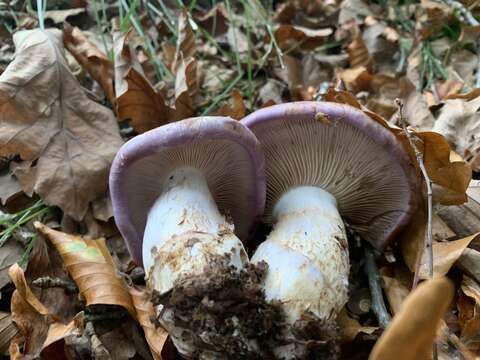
235	109
357	51
186	48
91	267
412	331
156	336
91	58
289	36
66	141
470	315
459	122
10	253
138	101
445	254
350	328
38	327
7	331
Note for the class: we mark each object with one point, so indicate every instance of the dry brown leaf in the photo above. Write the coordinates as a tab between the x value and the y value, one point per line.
357	51
155	336
66	141
470	319
136	98
288	36
10	253
469	263
397	283
215	21
412	331
91	58
91	267
7	331
350	328
459	122
38	327
445	254
235	109
9	188
356	79
353	10
186	48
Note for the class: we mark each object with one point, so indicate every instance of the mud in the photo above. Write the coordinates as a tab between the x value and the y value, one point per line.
223	314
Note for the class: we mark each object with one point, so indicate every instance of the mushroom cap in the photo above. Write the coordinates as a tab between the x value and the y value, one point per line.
342	150
224	150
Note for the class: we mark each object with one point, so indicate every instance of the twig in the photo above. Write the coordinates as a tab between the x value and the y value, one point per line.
428	182
378	303
48	282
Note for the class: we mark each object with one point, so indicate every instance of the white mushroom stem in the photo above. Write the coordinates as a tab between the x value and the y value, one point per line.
184	233
307	254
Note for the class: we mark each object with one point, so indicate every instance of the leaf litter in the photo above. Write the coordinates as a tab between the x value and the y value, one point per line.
160	63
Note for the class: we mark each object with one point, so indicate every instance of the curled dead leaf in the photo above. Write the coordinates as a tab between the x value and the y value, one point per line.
91	58
7	331
65	140
445	254
91	266
412	331
288	36
235	109
357	51
39	328
156	336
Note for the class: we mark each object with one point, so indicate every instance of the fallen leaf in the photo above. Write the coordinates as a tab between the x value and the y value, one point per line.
471	320
350	328
91	58
10	253
91	267
459	122
7	331
445	254
59	16
397	284
357	51
235	109
156	336
290	36
271	91
353	10
186	48
469	263
9	188
66	141
356	79
412	331
215	21
37	326
137	100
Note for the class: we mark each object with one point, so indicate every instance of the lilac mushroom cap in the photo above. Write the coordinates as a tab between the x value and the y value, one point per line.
341	150
224	150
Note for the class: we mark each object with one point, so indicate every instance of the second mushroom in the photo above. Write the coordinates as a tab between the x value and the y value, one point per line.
324	162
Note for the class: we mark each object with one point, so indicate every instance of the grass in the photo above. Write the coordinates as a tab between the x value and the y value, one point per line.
12	222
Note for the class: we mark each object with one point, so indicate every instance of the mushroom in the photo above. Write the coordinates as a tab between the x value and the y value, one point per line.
324	162
169	188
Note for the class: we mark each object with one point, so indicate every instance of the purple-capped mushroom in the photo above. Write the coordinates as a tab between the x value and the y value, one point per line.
326	162
172	188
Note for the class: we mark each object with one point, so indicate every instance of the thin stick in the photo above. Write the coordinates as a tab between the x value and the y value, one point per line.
428	182
378	303
47	282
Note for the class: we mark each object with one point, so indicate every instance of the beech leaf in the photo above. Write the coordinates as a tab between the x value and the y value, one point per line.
91	266
412	331
66	141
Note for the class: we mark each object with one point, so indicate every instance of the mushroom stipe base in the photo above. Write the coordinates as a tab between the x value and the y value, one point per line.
223	314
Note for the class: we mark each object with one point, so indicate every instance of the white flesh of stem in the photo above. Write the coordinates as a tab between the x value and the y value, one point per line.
307	254
185	231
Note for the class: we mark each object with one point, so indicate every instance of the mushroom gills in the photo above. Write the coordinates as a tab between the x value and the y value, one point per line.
185	232
307	255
